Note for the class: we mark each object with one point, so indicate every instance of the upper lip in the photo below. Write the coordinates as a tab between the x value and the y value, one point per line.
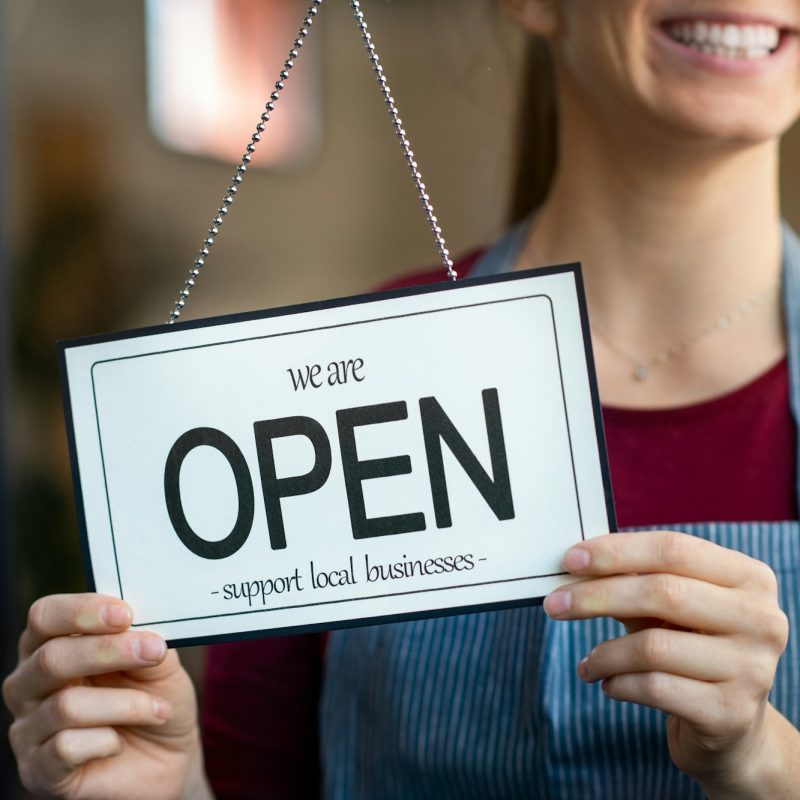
734	17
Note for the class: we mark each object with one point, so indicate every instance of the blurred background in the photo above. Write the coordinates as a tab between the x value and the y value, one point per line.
124	122
121	126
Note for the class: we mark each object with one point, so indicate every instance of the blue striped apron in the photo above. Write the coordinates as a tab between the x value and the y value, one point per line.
489	705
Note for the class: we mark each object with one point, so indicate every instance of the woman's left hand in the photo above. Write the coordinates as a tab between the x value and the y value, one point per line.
705	633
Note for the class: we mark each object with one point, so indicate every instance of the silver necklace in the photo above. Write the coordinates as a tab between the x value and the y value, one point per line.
643	367
274	97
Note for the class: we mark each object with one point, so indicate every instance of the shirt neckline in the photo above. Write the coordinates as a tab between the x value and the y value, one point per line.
712	406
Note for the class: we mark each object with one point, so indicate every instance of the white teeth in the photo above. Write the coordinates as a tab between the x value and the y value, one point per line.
700	32
770	37
727	40
731	36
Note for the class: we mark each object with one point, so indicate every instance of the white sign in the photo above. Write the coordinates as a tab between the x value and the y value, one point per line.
422	452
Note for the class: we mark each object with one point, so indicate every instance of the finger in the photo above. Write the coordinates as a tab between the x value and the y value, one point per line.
68	614
663	650
664	551
92	707
700	704
61	755
685	602
65	659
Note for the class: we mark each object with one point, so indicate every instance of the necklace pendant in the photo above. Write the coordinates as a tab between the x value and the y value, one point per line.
641	373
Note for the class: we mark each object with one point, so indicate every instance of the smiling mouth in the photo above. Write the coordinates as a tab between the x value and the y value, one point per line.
725	39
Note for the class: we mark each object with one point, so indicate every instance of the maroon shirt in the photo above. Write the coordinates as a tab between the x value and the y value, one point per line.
728	459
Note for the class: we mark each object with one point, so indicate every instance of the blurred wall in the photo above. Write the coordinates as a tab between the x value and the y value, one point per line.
7	597
790	177
342	223
105	222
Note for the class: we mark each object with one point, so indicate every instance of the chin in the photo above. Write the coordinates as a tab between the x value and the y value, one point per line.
714	118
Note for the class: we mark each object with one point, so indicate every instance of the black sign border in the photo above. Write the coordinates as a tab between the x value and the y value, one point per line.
574	269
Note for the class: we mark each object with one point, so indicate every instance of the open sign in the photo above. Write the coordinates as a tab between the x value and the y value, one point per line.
426	451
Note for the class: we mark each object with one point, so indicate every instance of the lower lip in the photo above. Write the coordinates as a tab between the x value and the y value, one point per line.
727	66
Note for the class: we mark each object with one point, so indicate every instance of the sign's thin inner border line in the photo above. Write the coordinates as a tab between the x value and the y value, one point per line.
321	327
350	600
331	327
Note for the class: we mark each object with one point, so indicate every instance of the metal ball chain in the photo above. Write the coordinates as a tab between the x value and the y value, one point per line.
222	211
232	189
406	145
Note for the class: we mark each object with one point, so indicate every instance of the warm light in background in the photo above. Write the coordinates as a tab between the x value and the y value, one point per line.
211	67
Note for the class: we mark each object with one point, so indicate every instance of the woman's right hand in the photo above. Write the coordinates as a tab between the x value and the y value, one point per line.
101	712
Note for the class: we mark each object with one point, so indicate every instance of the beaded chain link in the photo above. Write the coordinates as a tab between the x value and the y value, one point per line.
274	97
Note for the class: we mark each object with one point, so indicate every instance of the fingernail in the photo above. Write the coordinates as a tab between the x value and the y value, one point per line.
150	649
162	709
583	668
558	603
577	559
116	615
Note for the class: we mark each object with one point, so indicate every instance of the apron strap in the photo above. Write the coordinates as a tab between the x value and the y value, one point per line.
791	305
503	254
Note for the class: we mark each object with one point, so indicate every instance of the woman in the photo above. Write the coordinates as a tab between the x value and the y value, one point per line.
670	115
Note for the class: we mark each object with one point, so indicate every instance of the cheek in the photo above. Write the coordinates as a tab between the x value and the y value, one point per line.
601	74
600	53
